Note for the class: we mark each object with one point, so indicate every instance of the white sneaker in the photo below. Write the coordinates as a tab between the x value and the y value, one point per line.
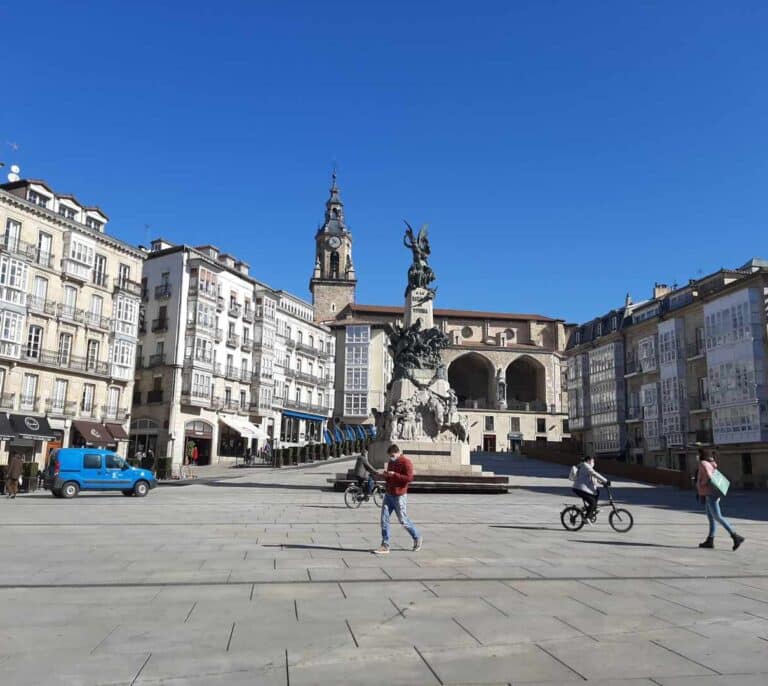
382	550
417	544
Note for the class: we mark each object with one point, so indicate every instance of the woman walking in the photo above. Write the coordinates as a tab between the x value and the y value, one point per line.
707	466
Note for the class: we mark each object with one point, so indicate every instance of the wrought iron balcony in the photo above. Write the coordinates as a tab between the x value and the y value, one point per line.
41	306
8	401
119	414
233	340
160	325
248	315
97	321
163	291
196	396
74	314
128	286
247	345
232	373
60	360
156	360
99	279
29	403
235	309
56	406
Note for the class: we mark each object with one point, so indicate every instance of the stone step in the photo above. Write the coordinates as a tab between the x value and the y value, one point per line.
489	485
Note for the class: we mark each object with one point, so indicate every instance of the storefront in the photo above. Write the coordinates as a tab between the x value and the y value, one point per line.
143	437
30	434
121	438
91	434
300	428
238	437
6	432
198	440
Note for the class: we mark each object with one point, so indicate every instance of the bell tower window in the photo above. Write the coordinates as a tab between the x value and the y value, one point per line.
334	265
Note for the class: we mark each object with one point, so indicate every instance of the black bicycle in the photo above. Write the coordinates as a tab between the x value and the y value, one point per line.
574	517
355	495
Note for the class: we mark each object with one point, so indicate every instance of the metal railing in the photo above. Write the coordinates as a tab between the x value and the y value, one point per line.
232	373
235	309
248	315
298	405
93	319
233	340
8	400
28	251
61	407
247	345
160	324
117	413
41	305
73	313
99	279
156	360
29	403
132	287
163	291
54	358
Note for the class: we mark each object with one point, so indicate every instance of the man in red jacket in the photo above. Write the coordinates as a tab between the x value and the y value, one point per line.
398	473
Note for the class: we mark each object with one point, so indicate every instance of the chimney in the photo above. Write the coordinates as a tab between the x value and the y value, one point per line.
660	290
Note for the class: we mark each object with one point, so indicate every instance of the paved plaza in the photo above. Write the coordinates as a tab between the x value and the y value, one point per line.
268	579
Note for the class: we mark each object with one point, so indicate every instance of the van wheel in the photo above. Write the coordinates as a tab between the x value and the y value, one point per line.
70	489
128	493
141	489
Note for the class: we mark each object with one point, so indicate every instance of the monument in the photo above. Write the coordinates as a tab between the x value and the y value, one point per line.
421	409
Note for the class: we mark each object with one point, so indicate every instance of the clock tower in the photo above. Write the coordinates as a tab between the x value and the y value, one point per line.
333	280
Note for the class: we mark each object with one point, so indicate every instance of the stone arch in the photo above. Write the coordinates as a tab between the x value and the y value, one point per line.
526	383
471	376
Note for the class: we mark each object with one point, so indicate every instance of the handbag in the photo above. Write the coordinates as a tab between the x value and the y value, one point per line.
719	483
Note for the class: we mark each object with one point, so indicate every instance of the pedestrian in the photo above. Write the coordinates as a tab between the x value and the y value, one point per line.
585	485
13	475
707	467
151	458
398	473
364	474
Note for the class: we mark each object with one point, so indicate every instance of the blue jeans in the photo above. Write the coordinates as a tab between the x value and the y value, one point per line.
712	507
398	504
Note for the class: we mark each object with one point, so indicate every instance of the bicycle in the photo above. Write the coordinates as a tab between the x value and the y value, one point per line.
355	496
574	517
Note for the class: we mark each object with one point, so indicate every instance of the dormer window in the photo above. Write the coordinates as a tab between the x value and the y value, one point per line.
38	199
67	212
94	224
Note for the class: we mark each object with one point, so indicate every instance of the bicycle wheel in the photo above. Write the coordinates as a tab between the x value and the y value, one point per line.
378	496
353	496
572	518
621	520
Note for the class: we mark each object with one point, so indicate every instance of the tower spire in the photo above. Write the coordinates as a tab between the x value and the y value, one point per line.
334	209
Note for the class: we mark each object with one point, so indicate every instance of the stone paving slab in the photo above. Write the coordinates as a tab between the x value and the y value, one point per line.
268	579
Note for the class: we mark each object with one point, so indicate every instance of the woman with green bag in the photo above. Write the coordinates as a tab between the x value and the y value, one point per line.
711	496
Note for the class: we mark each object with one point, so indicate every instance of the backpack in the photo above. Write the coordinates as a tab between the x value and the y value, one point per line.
574	472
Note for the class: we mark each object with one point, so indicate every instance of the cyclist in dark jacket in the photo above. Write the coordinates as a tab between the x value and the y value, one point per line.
364	473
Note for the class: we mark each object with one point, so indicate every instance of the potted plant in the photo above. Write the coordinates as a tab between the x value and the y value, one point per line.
29	471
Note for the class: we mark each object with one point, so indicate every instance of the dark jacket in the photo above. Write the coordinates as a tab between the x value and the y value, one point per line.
363	468
14	470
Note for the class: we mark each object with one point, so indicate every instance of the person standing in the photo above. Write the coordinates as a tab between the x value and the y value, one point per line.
585	485
707	467
12	475
398	473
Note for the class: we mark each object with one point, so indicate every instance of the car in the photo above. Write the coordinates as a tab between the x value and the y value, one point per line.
72	470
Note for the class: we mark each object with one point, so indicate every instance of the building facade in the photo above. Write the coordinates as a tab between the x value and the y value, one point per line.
692	374
69	309
218	352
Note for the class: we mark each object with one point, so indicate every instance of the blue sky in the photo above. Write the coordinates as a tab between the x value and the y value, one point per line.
562	153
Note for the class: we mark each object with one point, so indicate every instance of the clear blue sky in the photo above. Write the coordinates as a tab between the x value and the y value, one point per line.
563	153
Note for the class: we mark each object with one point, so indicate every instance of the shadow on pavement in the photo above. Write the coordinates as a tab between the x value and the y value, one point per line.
231	484
631	543
301	546
529	528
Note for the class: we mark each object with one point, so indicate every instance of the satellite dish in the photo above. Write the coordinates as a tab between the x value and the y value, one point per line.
15	169
13	177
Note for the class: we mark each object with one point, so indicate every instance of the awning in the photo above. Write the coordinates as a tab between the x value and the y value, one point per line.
304	415
6	431
349	432
327	435
359	431
33	428
117	431
339	437
93	433
244	427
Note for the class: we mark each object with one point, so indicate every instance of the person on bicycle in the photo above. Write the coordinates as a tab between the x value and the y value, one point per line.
364	474
585	485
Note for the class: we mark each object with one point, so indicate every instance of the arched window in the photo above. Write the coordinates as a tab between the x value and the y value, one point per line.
334	265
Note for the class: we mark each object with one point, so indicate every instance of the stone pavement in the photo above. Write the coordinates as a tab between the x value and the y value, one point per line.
267	579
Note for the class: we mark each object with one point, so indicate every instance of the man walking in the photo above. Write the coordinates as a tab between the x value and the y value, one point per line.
13	475
398	473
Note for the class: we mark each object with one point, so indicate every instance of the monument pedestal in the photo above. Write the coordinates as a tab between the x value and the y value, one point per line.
428	457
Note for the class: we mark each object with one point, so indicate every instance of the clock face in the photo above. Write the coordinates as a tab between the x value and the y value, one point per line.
334	242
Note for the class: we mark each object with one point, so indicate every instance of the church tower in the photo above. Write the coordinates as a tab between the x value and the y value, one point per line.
333	281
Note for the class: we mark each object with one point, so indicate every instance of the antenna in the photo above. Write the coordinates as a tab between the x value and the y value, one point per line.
14	175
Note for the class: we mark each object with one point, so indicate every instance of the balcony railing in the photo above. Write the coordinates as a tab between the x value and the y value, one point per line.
100	279
309	407
199	397
695	349
246	376
160	325
156	360
41	306
697	402
532	406
154	396
235	309
233	340
248	315
74	314
53	358
61	407
8	401
307	348
87	411
232	373
29	403
634	412
96	320
25	250
247	345
163	291
119	414
230	405
44	259
132	287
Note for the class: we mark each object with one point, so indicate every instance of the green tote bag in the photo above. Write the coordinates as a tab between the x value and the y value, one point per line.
719	483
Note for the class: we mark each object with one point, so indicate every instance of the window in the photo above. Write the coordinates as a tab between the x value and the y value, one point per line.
228	395
489	423
70	301
34	341
12	234
44	243
113	400
91	461
97	306
243	400
29	392
113	461
298	394
13	280
40	290
92	354
65	348
299	336
123	353
541	425
100	270
89	391
59	395
123	275
81	252
514	424
356	404
10	332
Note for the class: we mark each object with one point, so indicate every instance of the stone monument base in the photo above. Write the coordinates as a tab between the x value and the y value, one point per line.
427	457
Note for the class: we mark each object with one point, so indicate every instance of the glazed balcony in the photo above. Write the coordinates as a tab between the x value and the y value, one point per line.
128	286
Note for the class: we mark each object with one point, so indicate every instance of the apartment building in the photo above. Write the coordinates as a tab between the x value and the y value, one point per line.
223	362
69	307
694	375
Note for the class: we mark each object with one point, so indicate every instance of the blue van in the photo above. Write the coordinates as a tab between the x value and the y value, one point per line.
72	470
